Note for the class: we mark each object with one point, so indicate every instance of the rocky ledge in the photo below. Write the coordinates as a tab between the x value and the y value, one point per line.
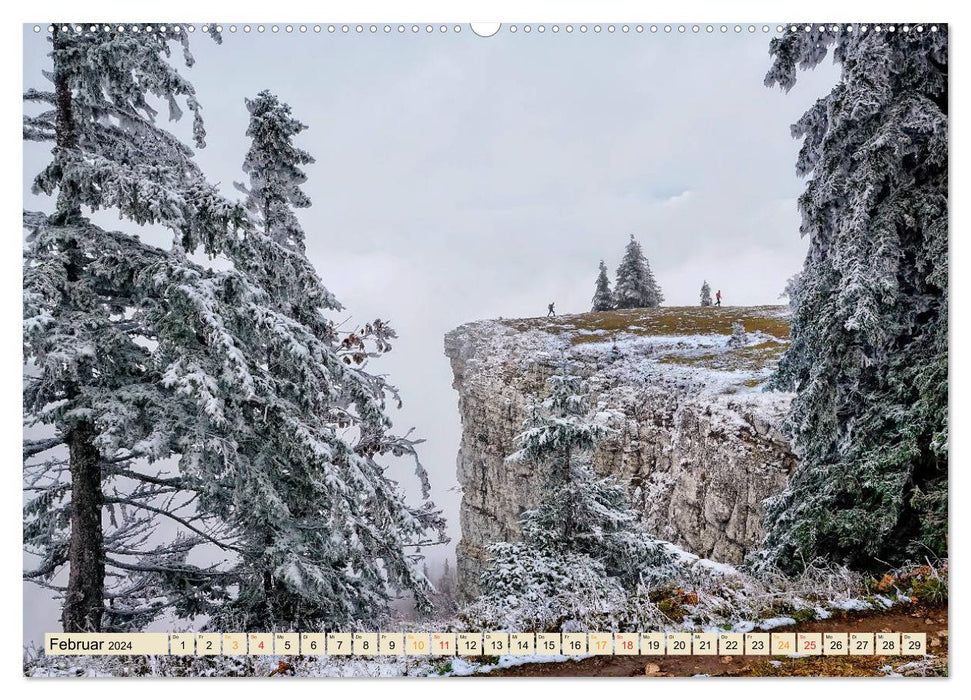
694	431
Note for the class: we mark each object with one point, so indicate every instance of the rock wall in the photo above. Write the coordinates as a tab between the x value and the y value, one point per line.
697	438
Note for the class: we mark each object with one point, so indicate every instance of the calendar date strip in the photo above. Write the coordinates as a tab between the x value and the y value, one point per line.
419	644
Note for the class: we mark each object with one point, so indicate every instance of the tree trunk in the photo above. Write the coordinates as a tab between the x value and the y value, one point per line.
65	131
84	602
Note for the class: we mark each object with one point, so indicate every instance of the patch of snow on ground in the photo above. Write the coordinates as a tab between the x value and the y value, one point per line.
774	622
717	567
629	343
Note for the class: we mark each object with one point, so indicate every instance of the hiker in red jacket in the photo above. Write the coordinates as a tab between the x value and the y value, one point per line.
718	298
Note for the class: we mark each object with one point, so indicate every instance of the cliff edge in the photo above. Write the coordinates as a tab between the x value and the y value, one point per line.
695	433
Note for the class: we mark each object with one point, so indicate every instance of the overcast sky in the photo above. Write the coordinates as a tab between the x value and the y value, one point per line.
461	178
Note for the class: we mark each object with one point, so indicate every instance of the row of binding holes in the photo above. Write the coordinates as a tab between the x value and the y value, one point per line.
260	28
512	28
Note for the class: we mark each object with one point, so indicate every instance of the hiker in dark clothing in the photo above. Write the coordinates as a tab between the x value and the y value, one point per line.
718	298
551	312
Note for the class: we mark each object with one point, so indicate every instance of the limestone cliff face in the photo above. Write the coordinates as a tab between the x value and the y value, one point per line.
693	432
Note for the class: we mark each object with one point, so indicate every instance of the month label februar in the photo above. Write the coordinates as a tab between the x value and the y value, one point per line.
105	644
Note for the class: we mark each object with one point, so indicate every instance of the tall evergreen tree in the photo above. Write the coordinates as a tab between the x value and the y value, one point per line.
635	284
705	294
445	595
136	354
446	583
273	164
584	533
603	300
557	429
99	333
868	358
324	527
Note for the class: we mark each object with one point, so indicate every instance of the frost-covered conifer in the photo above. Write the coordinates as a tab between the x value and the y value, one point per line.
558	429
101	333
868	359
136	354
705	294
635	286
582	548
323	528
447	583
273	164
445	595
603	300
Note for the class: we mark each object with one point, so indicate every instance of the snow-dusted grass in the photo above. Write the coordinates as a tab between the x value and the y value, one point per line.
695	594
753	357
662	321
691	345
716	596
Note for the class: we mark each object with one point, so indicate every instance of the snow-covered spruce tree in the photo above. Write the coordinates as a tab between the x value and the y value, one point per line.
582	549
445	596
603	300
323	528
446	582
868	359
135	354
98	329
559	430
635	286
654	297
273	164
705	294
